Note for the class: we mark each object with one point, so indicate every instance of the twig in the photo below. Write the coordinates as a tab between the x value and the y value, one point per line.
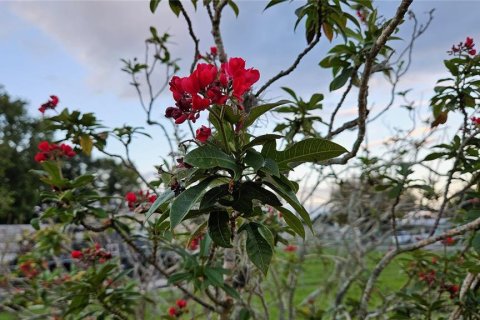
287	71
383	263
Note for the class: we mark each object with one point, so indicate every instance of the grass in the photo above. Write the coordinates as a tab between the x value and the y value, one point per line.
315	272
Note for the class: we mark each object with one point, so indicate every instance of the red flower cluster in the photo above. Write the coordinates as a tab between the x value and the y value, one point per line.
53	151
476	121
429	277
29	269
449	241
203	133
95	253
207	86
179	309
134	199
453	289
50	104
465	47
193	245
290	248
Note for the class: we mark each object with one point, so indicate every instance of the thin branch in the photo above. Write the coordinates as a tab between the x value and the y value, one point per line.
383	263
158	268
289	70
196	41
363	90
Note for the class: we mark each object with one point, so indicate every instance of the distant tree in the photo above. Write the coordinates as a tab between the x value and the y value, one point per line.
19	189
19	137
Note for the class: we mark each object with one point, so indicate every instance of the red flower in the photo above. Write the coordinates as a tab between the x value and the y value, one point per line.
469	43
428	277
172	311
40	157
54	100
453	289
152	198
28	269
206	74
67	150
76	254
44	146
242	79
449	241
203	133
131	197
194	244
50	104
290	248
181	303
472	52
476	121
199	104
213	51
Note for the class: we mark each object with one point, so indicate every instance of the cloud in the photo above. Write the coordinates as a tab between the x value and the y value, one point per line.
98	33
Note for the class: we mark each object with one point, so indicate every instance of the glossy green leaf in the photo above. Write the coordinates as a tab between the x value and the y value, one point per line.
153	5
261	140
234	7
340	80
219	228
258	111
273	2
292	221
287	193
250	191
213	195
254	159
308	150
207	157
185	202
176	6
258	248
161	199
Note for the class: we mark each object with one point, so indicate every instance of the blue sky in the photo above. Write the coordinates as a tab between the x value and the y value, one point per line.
73	49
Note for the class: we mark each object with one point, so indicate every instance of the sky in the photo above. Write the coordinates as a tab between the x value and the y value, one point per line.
73	49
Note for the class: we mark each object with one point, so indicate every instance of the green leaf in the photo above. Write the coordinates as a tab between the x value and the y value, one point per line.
234	7
258	111
308	150
451	66
476	242
213	195
286	193
266	234
341	79
271	167
185	202
177	277
164	197
250	191
215	275
176	6
433	156
272	3
292	221
35	222
254	159
86	142
54	173
258	248
261	140
207	157
219	228
153	5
